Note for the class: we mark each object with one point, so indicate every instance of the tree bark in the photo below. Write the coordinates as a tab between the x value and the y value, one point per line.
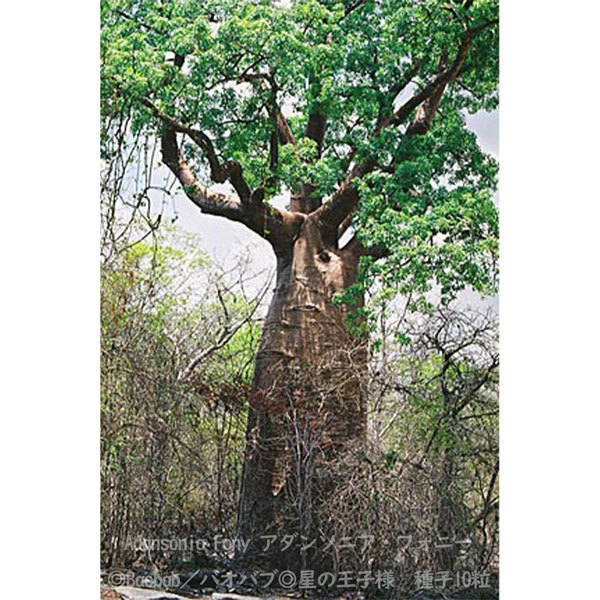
308	402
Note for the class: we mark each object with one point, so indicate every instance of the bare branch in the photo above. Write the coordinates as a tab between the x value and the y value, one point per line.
226	334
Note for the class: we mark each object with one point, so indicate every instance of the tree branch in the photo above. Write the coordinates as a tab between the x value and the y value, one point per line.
230	170
211	203
401	84
352	8
423	118
358	248
275	225
342	203
427	109
433	91
225	336
345	199
302	200
283	129
315	128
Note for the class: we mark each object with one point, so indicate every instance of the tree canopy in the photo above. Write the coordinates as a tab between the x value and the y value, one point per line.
356	108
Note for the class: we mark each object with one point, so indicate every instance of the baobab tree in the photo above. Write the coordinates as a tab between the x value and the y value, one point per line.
355	111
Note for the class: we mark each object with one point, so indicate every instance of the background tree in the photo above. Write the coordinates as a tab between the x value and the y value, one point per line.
427	491
356	109
176	372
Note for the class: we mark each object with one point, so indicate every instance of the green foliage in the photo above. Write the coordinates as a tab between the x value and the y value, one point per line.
170	444
349	60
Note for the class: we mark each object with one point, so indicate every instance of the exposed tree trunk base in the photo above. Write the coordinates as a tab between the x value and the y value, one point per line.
308	401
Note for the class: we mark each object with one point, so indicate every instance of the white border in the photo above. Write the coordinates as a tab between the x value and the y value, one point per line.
50	299
548	302
549	205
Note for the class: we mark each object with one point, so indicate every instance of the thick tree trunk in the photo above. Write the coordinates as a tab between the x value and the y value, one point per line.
308	402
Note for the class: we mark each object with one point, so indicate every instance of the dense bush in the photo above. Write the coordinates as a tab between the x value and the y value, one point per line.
178	337
177	344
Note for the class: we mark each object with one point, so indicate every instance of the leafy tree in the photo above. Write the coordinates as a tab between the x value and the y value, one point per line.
354	108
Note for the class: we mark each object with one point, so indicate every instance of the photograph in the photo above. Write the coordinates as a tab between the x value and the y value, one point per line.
294	291
299	308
